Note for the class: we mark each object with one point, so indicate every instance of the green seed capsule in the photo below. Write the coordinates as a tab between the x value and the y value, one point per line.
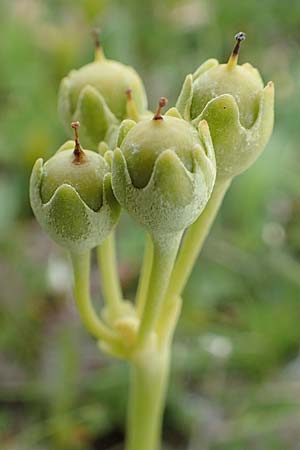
141	152
94	95
242	82
164	171
237	107
72	198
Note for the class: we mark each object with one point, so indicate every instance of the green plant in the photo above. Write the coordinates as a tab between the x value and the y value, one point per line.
170	172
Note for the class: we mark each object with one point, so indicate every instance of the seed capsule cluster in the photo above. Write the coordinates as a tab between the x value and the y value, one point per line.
162	167
169	170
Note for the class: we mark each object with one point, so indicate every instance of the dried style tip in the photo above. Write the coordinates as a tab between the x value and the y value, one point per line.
239	38
162	103
128	93
95	34
78	152
131	108
99	55
235	53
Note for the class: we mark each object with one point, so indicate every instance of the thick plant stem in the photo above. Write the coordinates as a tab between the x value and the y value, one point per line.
81	268
107	261
191	246
144	276
164	253
149	379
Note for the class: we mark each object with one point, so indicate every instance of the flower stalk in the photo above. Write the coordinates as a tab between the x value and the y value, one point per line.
81	269
141	294
149	375
194	240
107	261
164	254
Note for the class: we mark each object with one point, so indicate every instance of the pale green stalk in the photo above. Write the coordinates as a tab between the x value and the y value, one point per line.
106	253
144	276
150	364
191	246
164	253
148	385
81	268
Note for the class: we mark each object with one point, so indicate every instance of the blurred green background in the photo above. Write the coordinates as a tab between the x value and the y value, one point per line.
236	368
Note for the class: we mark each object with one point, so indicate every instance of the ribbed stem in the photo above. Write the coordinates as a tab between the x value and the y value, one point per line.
107	261
191	246
81	268
149	379
144	276
164	253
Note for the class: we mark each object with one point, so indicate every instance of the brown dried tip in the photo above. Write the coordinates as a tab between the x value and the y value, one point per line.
78	152
128	93
162	103
99	55
96	34
131	109
239	37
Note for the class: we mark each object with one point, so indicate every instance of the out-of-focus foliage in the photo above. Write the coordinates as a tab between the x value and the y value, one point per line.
236	372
